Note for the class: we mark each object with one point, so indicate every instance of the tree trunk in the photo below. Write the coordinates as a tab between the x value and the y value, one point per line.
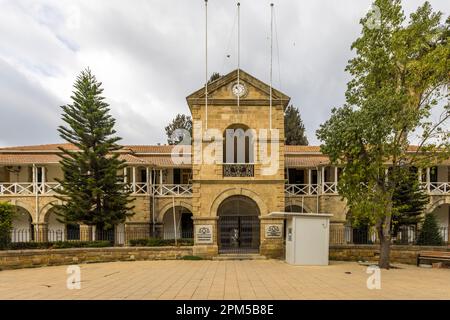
385	251
384	233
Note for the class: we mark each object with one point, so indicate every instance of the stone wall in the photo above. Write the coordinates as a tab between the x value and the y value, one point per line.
399	254
14	259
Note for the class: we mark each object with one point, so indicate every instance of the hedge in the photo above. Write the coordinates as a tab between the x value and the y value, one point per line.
153	242
57	245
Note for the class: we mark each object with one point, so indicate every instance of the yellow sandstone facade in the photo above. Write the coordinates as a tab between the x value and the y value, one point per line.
219	197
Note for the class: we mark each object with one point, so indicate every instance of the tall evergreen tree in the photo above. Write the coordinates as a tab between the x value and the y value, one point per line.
91	191
429	234
409	202
294	129
173	132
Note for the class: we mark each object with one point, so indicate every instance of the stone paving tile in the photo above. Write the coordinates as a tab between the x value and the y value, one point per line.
261	279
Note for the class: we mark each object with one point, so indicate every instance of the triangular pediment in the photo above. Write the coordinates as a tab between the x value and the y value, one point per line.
220	91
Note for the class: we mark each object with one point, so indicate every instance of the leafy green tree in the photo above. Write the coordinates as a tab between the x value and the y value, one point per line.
294	129
6	217
179	129
429	234
92	192
399	74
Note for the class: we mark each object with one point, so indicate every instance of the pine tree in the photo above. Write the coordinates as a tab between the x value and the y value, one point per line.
92	192
429	234
294	128
179	129
409	202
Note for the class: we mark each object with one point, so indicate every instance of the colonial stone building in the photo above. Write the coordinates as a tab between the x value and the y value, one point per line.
207	190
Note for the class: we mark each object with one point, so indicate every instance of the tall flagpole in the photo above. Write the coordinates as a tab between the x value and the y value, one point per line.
206	63
238	49
271	54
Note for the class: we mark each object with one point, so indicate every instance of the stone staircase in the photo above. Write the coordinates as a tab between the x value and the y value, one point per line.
239	256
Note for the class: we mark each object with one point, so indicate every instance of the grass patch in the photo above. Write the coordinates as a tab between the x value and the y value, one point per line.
191	258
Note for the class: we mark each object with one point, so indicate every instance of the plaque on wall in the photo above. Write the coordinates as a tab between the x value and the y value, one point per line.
204	234
274	231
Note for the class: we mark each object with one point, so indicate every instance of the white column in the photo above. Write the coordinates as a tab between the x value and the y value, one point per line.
160	176
147	178
428	179
420	175
125	174
309	180
322	179
134	179
335	175
44	178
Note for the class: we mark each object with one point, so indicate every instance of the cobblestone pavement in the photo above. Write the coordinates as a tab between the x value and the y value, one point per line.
261	279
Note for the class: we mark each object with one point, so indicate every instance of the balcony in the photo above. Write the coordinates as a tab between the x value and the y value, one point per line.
238	170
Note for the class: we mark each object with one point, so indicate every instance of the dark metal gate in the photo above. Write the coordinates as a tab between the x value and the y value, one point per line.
239	234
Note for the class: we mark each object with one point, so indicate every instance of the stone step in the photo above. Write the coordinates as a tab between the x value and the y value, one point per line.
237	256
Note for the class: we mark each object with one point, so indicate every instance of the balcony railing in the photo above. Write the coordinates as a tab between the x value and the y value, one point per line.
169	190
434	188
238	170
172	190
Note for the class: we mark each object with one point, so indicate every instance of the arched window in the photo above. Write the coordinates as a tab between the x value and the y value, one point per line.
239	144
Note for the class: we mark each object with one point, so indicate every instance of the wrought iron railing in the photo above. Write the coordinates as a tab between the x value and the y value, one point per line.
405	235
238	170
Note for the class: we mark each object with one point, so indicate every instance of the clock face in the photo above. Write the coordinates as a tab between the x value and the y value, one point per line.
239	90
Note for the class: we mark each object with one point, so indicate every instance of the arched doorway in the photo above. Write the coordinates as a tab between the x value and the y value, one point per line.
442	215
184	225
58	231
22	228
238	225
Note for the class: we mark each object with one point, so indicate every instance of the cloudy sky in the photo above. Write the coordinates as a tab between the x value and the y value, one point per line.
149	54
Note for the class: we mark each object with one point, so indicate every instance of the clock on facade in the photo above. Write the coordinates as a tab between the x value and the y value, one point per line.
239	89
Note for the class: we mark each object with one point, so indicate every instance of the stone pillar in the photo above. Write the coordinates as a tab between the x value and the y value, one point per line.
86	232
205	236
41	232
272	237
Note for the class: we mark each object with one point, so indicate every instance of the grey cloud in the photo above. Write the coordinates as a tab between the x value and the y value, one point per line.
150	56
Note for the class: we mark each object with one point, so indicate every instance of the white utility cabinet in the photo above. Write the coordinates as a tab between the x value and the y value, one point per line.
307	237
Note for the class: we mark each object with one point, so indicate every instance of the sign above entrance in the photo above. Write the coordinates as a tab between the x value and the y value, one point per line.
273	231
204	234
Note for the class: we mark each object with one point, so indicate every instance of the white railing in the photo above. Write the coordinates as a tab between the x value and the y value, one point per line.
330	188
17	188
434	188
301	189
166	190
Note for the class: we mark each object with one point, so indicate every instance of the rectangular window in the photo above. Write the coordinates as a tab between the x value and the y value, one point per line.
177	176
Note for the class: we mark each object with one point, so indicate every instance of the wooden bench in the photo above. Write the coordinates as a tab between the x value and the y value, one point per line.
442	256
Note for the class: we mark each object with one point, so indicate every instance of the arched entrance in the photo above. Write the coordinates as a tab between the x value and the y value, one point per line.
22	228
58	231
442	215
238	225
184	224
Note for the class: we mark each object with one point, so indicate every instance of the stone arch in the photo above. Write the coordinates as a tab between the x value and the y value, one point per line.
183	221
22	225
297	203
433	206
46	210
166	207
263	210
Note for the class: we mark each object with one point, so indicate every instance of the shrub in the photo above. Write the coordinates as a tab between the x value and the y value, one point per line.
58	245
154	242
429	234
191	258
6	216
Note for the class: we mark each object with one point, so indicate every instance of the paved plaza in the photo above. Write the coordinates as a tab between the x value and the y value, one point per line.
260	279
